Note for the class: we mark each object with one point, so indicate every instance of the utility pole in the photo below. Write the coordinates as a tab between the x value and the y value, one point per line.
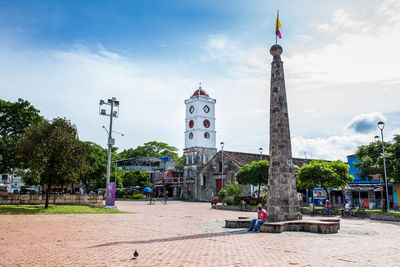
114	108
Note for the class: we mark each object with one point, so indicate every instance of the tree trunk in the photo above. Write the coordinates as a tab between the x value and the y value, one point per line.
258	194
47	194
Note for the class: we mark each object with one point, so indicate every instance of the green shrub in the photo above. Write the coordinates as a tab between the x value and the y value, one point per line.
237	200
222	194
234	190
138	196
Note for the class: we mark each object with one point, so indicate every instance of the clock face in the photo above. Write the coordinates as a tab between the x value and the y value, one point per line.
207	135
190	135
191	109
206	123
206	109
191	124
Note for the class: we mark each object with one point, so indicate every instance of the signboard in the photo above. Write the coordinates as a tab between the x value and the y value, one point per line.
320	194
110	195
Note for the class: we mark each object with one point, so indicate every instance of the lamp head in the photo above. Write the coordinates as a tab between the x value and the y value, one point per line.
222	145
261	150
376	138
381	125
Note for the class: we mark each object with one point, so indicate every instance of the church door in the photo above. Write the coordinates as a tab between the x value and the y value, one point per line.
219	184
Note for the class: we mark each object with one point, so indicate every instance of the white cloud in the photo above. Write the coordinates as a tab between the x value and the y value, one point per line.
362	47
339	146
329	148
71	83
365	122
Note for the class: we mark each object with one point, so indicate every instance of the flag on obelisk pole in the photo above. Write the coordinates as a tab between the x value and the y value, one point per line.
278	25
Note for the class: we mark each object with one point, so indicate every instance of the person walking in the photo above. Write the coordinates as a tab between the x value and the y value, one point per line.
262	215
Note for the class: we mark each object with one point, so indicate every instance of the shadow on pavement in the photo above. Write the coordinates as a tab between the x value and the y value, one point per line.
175	238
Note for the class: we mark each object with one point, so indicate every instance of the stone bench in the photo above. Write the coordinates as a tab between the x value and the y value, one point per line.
238	223
324	226
304	226
331	220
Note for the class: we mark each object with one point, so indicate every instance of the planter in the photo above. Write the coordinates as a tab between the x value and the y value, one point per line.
384	217
238	208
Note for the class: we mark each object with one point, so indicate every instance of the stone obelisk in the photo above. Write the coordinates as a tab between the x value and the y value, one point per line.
282	200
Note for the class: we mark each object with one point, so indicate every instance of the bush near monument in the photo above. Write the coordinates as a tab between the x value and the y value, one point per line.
255	173
234	192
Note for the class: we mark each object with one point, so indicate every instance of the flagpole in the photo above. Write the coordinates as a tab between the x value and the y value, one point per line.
276	27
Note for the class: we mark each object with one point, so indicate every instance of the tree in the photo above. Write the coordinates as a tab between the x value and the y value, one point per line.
151	149
94	166
53	153
255	173
179	163
135	178
14	119
324	174
371	159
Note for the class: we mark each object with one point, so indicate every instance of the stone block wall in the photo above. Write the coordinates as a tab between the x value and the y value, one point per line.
83	200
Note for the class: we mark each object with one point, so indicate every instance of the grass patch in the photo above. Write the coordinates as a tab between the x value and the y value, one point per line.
53	209
379	211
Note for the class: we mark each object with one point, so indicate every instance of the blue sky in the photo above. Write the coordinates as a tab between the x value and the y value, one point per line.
341	61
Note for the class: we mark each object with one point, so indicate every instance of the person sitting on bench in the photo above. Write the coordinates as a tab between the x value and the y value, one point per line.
262	218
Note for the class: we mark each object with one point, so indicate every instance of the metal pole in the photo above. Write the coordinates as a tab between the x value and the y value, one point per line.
109	147
384	170
222	167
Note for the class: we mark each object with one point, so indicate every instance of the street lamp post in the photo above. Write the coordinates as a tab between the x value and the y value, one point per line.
381	126
261	151
377	138
222	164
114	108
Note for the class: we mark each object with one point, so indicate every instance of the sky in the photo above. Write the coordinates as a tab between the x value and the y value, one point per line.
341	62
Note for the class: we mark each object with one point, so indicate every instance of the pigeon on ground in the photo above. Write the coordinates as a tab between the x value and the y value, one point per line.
135	254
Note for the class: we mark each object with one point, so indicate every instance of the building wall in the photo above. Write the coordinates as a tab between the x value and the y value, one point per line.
211	172
396	196
194	159
353	170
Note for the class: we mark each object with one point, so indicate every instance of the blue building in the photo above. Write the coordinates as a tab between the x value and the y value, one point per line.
369	192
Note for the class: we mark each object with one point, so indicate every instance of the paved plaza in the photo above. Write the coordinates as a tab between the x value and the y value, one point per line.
186	234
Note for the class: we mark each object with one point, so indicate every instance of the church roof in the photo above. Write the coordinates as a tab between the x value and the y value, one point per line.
199	91
242	158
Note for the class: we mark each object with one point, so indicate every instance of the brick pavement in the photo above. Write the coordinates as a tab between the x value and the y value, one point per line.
186	234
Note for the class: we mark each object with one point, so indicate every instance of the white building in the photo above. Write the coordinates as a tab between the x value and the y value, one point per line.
200	137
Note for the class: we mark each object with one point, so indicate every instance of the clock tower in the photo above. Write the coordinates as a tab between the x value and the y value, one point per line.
200	137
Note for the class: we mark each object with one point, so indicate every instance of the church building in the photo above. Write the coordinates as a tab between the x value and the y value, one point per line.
205	172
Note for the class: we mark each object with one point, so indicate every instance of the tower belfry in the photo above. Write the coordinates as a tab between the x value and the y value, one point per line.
282	201
200	137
